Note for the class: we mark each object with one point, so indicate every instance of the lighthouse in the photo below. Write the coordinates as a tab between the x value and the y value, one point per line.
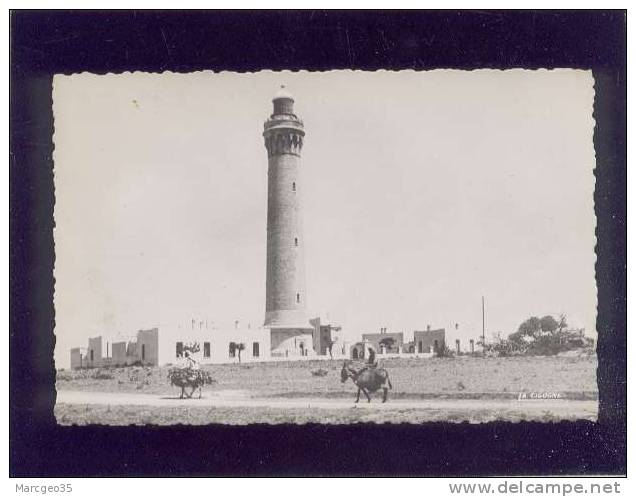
285	299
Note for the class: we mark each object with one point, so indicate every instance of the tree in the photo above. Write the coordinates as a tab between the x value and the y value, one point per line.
444	350
562	322
530	327
549	324
527	331
545	336
192	347
239	347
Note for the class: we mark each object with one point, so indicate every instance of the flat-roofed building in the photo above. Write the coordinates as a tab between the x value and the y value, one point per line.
77	359
94	352
385	343
328	339
429	341
212	342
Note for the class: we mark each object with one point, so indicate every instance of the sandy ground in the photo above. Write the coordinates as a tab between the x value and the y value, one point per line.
242	399
464	389
454	377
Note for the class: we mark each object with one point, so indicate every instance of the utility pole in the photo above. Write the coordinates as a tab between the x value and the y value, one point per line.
483	323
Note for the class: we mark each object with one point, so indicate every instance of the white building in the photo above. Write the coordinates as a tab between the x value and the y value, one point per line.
215	343
208	341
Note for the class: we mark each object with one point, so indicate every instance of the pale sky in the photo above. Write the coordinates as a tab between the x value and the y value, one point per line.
423	191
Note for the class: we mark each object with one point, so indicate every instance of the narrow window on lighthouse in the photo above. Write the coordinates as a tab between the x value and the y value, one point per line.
298	298
296	242
294	186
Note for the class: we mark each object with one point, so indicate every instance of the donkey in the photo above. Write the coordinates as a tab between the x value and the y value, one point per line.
191	378
367	379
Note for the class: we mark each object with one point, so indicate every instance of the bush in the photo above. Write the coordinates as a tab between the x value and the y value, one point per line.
444	351
541	344
100	375
503	348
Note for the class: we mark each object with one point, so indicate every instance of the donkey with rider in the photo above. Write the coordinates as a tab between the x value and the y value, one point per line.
368	379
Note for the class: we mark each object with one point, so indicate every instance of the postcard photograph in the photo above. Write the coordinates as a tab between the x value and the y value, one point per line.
325	247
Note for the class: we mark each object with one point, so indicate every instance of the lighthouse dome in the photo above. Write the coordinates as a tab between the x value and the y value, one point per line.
283	101
283	93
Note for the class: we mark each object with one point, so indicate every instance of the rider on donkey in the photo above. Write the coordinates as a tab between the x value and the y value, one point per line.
369	378
191	362
371	363
191	365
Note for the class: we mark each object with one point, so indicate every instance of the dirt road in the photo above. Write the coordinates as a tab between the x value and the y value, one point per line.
243	399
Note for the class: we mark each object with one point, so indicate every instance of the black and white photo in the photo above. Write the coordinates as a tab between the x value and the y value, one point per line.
330	247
